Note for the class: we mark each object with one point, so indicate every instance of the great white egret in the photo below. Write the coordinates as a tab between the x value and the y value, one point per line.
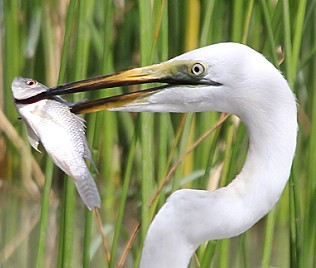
225	77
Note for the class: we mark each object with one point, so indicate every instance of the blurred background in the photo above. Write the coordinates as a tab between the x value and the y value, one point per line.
43	222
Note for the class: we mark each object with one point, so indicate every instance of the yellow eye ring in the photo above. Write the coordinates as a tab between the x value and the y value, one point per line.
198	69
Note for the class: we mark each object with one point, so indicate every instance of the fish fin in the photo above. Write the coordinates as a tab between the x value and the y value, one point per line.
87	153
33	139
71	104
88	191
61	100
80	122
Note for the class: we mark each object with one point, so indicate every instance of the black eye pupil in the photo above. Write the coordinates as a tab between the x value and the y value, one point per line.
30	83
197	69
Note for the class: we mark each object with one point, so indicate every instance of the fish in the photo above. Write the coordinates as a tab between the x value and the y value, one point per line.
61	132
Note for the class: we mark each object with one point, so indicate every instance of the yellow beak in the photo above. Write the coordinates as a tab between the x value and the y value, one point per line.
111	102
148	74
170	72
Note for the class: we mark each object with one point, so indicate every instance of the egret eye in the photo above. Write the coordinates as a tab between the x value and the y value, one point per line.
31	82
198	69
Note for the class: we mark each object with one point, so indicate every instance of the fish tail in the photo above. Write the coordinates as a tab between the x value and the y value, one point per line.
88	191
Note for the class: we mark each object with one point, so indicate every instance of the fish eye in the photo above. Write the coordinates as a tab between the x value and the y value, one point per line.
198	69
31	82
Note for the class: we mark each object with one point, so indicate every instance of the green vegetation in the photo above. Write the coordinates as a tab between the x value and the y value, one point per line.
44	223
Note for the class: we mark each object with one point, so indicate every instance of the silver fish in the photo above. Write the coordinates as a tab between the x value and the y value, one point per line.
61	132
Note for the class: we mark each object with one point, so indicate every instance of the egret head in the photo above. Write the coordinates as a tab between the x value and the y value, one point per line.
226	77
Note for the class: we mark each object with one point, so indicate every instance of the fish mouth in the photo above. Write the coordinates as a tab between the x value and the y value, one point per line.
171	73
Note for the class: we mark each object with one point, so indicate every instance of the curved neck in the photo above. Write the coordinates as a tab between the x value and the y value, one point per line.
269	160
191	217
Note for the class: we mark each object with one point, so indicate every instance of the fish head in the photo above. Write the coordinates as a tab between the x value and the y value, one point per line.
23	88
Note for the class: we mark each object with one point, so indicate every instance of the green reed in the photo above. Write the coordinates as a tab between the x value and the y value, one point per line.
55	42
